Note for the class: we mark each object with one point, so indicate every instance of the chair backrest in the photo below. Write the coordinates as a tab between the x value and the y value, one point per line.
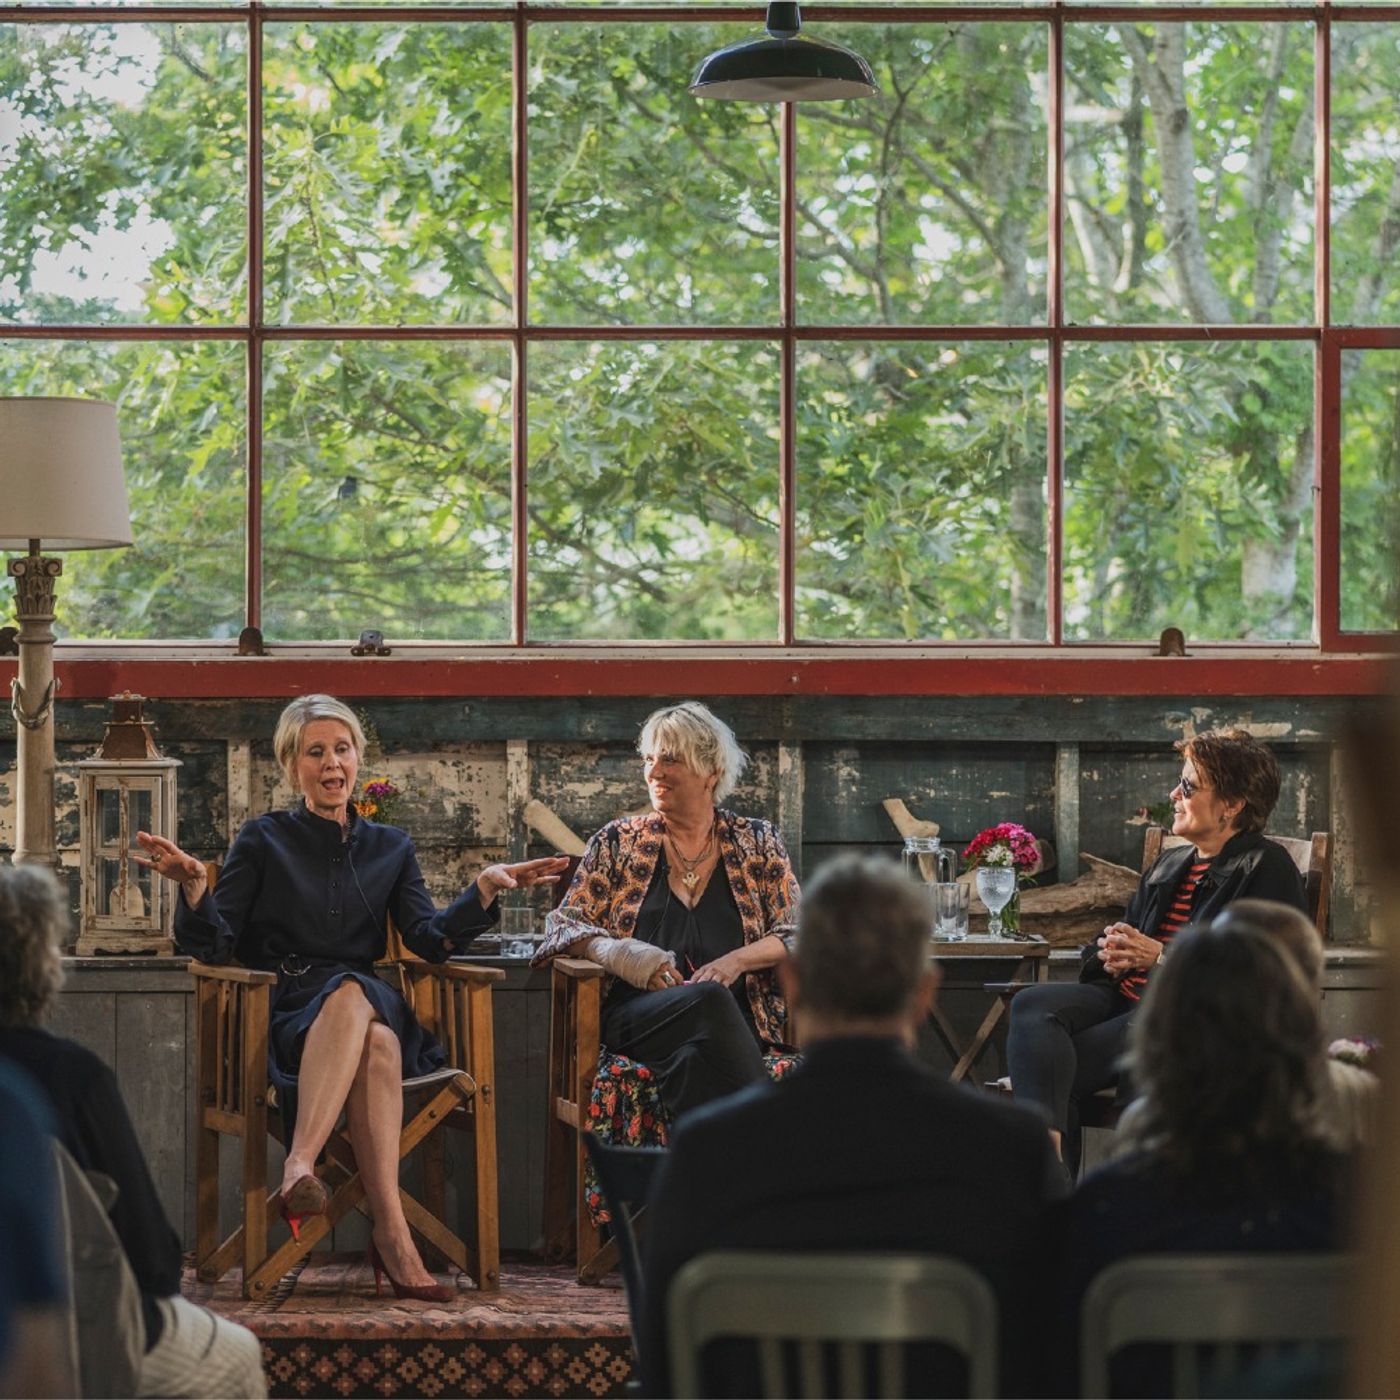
1206	1308
856	1313
108	1329
626	1176
1312	856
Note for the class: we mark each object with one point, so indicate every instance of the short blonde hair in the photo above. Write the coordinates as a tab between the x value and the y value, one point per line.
699	738
304	710
33	927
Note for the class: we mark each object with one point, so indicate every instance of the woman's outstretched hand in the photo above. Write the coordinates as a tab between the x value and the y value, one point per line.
167	859
523	874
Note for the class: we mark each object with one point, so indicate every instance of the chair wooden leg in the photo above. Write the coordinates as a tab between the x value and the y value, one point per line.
255	1197
559	1145
435	1194
483	1112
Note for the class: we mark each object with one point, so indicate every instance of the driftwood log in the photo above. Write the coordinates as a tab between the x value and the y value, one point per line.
1077	911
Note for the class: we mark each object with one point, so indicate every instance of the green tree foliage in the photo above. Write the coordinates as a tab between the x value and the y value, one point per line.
653	464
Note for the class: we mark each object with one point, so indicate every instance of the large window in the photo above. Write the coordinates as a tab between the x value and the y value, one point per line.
478	328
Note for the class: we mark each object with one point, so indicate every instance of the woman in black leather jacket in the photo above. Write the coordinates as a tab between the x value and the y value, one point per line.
1066	1040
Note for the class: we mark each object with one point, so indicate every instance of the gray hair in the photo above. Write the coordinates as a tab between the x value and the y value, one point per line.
33	928
304	710
699	738
862	939
1291	927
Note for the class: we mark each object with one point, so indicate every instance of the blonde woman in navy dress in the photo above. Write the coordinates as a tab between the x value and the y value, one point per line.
307	893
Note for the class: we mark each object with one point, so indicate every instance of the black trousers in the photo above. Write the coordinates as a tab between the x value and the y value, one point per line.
693	1038
1065	1043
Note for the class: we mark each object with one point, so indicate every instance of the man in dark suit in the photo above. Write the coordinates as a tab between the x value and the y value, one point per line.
861	1147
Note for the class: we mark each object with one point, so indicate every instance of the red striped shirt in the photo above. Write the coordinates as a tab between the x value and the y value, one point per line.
1177	916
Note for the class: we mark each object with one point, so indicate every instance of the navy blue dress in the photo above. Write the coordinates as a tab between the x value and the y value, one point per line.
299	897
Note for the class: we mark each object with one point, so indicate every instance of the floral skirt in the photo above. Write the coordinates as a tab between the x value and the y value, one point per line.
625	1110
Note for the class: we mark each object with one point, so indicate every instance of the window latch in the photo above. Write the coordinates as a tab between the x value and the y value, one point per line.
371	643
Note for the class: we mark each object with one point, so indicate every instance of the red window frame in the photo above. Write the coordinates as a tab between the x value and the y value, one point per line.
1334	662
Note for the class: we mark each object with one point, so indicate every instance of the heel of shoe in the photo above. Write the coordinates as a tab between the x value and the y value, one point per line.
377	1264
293	1221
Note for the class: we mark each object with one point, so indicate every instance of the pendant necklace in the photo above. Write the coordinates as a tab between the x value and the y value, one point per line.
691	878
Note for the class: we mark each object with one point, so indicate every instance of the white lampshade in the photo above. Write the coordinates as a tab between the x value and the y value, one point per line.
61	479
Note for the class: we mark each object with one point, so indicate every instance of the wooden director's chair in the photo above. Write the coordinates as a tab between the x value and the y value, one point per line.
575	1038
453	1003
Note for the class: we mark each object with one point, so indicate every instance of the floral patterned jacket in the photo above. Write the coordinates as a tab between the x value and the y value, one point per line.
617	870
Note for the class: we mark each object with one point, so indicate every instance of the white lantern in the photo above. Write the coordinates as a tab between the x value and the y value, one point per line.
128	787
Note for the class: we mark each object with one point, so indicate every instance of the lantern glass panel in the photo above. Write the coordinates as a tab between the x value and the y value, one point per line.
109	807
139	802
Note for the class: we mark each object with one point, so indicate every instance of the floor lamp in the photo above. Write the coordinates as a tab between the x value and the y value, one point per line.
61	487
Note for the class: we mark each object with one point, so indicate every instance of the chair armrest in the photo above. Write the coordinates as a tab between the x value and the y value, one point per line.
454	972
248	976
580	969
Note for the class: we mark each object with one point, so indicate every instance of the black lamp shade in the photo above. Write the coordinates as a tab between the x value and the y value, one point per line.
785	66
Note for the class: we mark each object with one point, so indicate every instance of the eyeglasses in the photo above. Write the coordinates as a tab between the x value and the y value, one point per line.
1188	787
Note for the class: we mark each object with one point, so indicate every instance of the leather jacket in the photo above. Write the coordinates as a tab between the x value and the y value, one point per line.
1249	866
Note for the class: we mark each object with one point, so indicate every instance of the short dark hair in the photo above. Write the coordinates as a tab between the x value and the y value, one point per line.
1240	769
33	926
862	939
1227	1054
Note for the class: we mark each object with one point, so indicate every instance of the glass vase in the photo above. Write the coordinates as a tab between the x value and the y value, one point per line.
1011	915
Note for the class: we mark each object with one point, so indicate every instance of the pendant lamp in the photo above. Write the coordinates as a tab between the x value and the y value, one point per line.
786	66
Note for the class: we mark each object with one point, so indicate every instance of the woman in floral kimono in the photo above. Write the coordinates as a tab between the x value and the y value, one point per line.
689	908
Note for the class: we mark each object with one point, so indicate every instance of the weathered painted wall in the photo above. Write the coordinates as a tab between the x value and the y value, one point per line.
1074	769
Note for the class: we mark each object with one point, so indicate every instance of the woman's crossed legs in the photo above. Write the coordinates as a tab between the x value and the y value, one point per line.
351	1060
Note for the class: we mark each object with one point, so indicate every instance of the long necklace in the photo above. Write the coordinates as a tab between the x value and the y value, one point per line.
691	878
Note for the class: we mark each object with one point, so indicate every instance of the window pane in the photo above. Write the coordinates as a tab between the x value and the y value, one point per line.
1365	173
646	206
653	490
921	491
1370	490
181	410
387	173
122	161
1206	219
1188	491
900	220
386	490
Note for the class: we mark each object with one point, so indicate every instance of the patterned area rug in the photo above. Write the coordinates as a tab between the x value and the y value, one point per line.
324	1333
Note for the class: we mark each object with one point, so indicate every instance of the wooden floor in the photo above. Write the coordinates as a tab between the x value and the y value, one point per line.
324	1333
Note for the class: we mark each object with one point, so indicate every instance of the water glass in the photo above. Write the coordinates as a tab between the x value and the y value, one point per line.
950	903
519	921
995	886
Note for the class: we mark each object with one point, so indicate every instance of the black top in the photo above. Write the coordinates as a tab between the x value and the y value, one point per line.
292	885
861	1147
698	935
1248	866
32	1268
92	1123
1136	1206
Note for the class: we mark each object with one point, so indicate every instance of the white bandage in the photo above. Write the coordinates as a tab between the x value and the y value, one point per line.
629	958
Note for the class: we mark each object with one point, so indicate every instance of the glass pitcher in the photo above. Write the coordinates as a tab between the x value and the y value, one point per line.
926	862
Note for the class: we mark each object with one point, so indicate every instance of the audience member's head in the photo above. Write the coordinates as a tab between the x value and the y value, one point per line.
1240	769
1293	930
33	926
861	965
1227	1054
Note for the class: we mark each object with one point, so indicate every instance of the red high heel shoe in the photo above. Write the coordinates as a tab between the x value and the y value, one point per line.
423	1292
308	1196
